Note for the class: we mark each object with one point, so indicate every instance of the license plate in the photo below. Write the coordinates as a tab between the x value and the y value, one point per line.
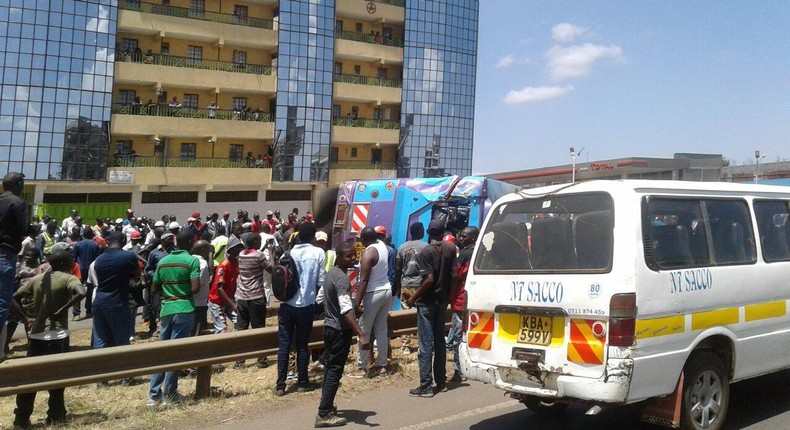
535	330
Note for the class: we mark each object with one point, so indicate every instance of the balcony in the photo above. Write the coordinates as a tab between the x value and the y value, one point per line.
137	120
356	88
155	172
364	47
389	11
365	131
204	74
177	22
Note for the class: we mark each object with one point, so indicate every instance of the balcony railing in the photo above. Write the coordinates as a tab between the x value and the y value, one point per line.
173	61
369	38
219	163
367	123
361	165
188	112
183	12
369	80
401	3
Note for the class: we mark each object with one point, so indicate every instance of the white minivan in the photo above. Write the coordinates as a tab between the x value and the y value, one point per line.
628	290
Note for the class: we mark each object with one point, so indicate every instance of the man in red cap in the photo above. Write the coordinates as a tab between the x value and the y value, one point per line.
198	223
225	225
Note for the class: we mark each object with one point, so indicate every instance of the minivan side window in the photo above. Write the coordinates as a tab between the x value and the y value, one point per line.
681	233
773	228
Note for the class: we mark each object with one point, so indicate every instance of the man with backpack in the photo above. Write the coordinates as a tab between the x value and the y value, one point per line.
295	318
407	269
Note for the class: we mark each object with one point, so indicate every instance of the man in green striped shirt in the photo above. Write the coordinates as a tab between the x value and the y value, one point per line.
178	277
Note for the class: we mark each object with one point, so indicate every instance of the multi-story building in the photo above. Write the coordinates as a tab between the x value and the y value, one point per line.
176	105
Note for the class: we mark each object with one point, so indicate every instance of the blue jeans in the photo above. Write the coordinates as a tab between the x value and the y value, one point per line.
7	272
110	325
454	337
176	326
430	331
292	322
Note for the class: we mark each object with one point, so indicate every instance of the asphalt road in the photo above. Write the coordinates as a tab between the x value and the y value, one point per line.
760	403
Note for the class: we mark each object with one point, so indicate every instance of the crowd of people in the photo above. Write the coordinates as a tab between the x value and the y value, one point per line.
179	275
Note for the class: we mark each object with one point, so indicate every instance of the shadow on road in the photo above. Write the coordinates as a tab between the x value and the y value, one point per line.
358	417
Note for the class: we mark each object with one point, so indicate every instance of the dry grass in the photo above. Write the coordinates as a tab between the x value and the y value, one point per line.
237	394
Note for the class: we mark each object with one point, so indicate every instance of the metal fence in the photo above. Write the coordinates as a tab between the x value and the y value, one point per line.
191	112
98	365
195	13
193	63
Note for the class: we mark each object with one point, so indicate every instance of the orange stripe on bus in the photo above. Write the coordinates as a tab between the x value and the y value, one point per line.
584	347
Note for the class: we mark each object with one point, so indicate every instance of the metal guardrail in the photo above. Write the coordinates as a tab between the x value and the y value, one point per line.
193	63
97	365
189	112
201	162
366	123
369	38
190	13
368	80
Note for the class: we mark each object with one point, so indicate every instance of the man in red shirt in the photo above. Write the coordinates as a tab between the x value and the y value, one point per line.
466	241
221	303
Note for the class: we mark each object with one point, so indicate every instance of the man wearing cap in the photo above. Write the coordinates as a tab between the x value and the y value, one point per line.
250	293
221	302
198	223
436	268
178	278
114	269
129	216
373	300
135	242
85	253
160	226
225	225
13	225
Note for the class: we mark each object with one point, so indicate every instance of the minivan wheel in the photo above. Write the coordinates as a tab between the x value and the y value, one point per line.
541	407
706	392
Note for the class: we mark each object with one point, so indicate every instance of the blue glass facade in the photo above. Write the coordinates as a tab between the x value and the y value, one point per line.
57	67
439	71
304	90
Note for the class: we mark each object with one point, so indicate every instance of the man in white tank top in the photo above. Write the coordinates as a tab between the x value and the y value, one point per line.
372	301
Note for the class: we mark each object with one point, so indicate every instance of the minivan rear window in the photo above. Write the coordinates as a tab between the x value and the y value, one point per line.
553	233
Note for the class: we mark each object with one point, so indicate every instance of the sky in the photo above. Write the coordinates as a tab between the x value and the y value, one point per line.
630	79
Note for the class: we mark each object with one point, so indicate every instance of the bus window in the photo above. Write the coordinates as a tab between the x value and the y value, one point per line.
773	228
551	234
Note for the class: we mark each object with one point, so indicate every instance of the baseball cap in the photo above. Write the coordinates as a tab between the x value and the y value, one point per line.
135	235
269	213
159	224
436	226
129	211
196	215
233	242
119	220
173	225
380	229
320	235
165	235
61	246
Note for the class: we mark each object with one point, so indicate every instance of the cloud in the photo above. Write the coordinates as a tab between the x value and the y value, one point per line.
565	32
536	94
575	61
505	62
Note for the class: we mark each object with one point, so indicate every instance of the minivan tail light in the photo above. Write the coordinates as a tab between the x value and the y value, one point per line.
622	319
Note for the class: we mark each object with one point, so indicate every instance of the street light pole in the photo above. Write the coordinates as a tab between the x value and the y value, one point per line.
574	154
757	157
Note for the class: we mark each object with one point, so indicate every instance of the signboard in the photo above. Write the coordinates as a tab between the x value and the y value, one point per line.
121	177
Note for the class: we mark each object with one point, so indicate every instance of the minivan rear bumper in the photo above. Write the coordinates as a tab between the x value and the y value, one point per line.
612	387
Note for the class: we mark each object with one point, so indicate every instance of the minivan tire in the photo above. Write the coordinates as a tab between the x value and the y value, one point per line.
706	392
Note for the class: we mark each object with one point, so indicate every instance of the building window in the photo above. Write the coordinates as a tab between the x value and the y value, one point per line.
239	103
240	58
170	197
123	146
197	8
240	13
357	70
334	154
338	68
129	45
336	111
190	101
236	153
127	97
382	73
353	152
165	48
376	113
188	152
375	155
195	52
339	26
162	97
354	112
231	196
358	27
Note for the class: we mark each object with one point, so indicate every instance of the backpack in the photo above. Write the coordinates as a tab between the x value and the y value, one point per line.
285	278
411	267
